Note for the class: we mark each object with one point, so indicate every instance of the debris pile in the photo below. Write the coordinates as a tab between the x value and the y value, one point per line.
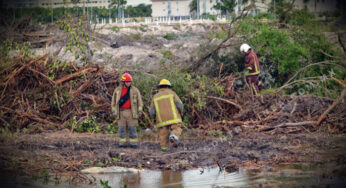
276	114
41	95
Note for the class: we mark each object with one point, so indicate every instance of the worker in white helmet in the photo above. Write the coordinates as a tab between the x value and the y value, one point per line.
252	68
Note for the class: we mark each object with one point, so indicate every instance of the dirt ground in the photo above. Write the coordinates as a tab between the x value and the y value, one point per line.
64	153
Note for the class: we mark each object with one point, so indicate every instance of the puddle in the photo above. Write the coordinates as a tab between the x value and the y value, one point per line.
175	179
290	175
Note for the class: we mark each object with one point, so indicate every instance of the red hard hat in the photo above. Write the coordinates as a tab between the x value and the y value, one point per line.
126	77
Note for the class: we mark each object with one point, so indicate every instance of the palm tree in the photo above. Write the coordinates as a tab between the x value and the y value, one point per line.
118	4
75	2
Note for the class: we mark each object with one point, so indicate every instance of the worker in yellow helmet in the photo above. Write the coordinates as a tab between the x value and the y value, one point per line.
167	107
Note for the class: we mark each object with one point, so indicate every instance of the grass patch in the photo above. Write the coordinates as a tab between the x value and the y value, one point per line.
115	28
170	36
167	54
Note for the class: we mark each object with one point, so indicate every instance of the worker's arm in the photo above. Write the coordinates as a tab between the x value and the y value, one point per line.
178	104
113	101
152	111
249	62
140	102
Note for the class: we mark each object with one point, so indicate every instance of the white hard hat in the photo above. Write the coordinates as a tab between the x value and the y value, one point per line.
244	47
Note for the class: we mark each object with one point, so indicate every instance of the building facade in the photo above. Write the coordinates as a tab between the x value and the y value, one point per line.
54	3
207	7
170	8
313	6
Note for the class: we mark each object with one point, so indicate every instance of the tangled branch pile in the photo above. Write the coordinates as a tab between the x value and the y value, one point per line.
41	95
277	113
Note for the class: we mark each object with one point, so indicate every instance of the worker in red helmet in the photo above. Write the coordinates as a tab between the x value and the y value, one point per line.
127	106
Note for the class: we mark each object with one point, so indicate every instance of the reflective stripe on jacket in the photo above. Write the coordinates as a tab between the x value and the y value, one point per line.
135	99
252	63
166	110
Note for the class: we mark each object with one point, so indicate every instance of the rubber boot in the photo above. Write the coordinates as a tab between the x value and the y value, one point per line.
260	85
133	137
122	138
174	140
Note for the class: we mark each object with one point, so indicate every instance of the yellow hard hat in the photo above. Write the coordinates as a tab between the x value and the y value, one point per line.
165	82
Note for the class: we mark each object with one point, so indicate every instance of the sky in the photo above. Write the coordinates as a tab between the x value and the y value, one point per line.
136	2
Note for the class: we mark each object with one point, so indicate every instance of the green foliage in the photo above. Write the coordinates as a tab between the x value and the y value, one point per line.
300	17
139	165
47	15
43	174
105	184
284	51
192	89
193	5
225	5
219	34
56	66
270	90
217	133
134	36
167	54
100	164
77	37
87	125
143	28
170	36
6	46
140	10
276	45
115	28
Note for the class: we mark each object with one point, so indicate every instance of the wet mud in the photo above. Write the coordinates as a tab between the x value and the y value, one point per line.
63	152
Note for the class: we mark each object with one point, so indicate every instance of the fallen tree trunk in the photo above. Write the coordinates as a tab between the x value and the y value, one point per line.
74	75
226	101
336	102
297	124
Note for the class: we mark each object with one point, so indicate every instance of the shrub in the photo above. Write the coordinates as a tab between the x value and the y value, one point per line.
170	36
115	28
167	54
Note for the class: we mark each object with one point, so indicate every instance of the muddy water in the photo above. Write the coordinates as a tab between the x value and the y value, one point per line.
330	175
176	179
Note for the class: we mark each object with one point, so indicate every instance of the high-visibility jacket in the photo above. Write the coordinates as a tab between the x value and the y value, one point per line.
135	99
166	106
252	63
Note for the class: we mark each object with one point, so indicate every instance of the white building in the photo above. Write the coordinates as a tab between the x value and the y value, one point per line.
170	8
314	6
207	7
134	3
54	3
319	6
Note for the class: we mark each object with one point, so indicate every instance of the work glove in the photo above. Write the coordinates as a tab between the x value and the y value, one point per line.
246	73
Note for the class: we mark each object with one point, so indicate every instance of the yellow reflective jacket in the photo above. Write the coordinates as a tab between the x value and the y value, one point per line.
135	99
165	105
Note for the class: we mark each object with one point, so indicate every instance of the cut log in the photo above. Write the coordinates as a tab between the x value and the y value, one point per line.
229	101
74	75
336	102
